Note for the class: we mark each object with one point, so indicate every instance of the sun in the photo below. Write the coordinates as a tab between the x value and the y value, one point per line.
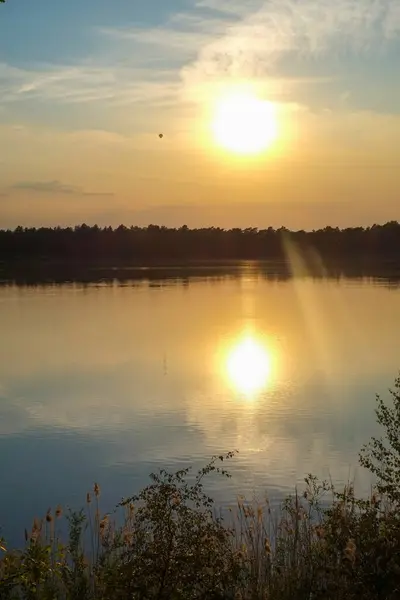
244	124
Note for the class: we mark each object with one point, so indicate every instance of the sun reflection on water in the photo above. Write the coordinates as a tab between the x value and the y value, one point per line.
248	365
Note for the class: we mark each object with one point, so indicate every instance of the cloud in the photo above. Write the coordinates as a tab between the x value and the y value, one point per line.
254	46
55	187
219	41
214	40
87	83
102	194
211	42
321	20
176	41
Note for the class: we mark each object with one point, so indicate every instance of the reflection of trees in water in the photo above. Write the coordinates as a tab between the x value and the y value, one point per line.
379	273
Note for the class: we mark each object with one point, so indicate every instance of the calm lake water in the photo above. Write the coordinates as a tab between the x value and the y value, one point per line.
107	382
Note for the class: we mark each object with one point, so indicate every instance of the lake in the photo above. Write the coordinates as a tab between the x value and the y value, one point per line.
110	380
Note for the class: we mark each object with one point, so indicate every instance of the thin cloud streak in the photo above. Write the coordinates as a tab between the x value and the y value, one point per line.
99	194
86	84
48	187
55	187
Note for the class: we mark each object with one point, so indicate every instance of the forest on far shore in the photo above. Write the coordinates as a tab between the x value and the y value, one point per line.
159	244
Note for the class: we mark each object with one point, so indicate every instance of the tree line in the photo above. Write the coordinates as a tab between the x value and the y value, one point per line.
94	244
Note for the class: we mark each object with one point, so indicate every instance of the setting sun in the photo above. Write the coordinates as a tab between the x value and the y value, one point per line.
248	366
244	124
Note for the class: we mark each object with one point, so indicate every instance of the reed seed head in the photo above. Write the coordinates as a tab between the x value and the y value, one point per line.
350	550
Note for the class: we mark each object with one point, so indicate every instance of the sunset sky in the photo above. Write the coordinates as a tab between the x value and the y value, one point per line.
86	86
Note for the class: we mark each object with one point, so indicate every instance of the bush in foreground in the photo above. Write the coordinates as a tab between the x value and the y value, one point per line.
168	543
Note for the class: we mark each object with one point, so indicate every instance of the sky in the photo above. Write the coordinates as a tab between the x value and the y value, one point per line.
86	86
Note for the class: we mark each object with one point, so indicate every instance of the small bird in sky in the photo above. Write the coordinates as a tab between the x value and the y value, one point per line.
160	135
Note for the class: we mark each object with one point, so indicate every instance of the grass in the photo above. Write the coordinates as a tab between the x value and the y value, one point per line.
169	543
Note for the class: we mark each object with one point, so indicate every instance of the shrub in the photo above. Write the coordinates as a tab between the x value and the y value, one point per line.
172	546
382	455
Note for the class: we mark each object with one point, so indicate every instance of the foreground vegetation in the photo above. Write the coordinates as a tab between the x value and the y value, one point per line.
169	543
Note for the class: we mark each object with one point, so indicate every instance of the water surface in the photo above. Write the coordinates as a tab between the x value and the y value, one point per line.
109	381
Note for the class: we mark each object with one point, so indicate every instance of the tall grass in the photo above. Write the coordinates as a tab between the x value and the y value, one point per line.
168	543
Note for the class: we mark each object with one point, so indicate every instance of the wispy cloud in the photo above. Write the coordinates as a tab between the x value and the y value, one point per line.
86	84
55	187
318	18
254	46
180	38
211	42
227	40
102	194
47	187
